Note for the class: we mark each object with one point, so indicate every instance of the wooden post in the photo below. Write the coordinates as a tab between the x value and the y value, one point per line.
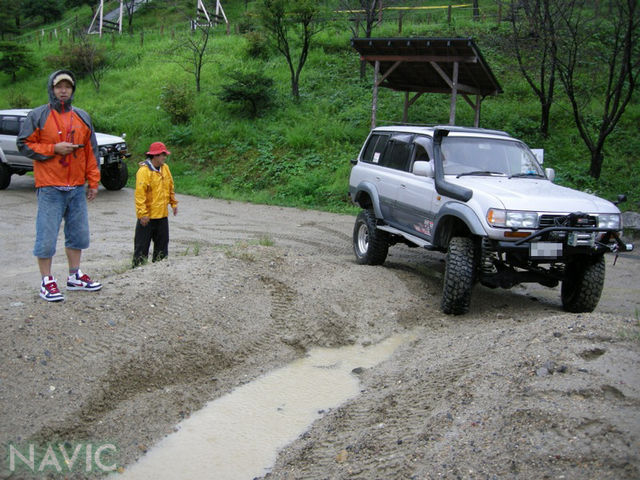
374	101
476	120
399	22
405	112
454	94
449	14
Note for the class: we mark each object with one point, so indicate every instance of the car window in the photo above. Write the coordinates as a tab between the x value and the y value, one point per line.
10	124
375	147
422	151
462	155
398	152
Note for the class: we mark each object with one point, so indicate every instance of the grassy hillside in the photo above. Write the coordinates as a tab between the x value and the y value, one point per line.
298	153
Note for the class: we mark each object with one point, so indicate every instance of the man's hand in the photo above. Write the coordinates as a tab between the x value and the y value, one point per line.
64	148
92	193
144	221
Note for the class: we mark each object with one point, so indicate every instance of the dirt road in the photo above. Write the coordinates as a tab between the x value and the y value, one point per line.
515	389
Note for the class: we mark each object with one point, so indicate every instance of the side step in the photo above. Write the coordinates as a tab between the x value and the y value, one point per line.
412	238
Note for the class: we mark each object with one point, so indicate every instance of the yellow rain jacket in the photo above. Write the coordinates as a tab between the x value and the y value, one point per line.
154	191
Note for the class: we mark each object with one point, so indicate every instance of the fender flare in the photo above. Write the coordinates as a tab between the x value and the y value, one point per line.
370	189
462	212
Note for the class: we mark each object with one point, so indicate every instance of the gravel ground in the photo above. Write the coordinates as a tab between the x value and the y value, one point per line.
515	389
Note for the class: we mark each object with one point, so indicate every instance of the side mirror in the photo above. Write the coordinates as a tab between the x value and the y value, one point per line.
354	161
550	173
423	169
621	199
539	153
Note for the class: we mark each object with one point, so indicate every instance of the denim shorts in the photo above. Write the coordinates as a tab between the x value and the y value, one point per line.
53	206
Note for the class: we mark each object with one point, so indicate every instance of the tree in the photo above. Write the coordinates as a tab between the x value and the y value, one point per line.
47	10
84	57
13	58
288	22
190	52
129	7
598	58
9	17
533	30
364	13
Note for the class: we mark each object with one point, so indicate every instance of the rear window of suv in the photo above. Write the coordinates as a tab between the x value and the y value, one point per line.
389	150
398	151
10	124
375	147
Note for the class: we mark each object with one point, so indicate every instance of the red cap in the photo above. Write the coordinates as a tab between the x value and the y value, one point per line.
157	148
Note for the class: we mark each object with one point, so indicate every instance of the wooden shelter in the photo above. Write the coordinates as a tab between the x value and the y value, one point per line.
428	65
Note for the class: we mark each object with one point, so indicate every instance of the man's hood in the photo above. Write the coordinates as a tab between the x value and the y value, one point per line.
55	103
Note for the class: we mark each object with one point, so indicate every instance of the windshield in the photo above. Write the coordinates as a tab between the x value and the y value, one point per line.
488	156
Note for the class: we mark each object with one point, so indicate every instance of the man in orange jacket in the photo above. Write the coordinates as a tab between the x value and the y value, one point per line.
62	143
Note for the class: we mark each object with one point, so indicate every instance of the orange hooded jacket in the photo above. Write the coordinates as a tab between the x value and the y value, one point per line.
59	122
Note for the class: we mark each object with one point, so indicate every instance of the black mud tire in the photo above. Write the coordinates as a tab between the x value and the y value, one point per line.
582	285
370	245
114	176
459	276
5	175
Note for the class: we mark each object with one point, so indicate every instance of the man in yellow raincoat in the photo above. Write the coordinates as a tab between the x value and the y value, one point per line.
154	194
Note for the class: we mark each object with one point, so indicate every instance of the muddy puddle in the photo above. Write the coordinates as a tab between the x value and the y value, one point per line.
239	435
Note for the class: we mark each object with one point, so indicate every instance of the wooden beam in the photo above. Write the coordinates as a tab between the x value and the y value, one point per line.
419	58
388	72
460	86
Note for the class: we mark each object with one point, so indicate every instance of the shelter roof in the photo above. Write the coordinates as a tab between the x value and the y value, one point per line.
426	64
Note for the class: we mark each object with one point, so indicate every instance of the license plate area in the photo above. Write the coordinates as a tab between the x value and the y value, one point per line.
545	250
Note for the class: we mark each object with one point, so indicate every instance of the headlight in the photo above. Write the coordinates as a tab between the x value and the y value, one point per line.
609	220
512	218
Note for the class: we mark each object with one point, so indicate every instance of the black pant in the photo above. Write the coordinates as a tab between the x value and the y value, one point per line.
157	230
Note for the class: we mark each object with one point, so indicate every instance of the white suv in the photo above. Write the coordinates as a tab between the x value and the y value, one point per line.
481	197
112	151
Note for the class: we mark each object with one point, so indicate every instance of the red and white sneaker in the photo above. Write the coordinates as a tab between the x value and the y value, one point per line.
49	290
81	281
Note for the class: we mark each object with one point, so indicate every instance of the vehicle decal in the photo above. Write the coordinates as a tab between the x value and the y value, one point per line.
426	227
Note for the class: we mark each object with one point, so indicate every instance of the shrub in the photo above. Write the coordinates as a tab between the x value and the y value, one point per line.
84	58
15	57
252	90
177	100
257	45
18	100
181	135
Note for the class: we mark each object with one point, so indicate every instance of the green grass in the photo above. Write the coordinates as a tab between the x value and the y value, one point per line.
298	153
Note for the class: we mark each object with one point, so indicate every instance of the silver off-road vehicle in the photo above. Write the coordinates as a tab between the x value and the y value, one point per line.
481	197
112	152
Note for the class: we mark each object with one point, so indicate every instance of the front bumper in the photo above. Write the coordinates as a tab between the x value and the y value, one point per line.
557	243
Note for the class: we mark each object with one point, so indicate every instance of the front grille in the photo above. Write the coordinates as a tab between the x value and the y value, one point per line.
558	220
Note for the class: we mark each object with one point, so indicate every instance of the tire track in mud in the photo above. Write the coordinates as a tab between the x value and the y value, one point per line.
134	367
283	314
373	441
